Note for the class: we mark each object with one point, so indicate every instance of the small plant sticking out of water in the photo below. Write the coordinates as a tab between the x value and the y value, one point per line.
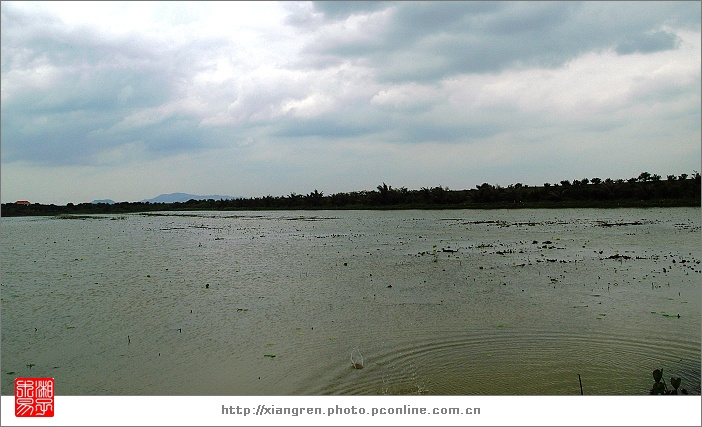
356	359
660	387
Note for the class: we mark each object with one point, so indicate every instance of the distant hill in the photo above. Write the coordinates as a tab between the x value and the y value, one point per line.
183	197
108	201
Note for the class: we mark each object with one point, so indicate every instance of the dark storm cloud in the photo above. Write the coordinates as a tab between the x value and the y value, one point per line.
425	41
80	136
646	43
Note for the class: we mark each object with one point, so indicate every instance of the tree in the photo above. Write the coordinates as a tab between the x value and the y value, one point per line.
644	176
438	195
384	191
426	194
596	181
486	192
315	198
294	199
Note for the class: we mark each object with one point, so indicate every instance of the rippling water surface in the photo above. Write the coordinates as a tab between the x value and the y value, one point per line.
274	303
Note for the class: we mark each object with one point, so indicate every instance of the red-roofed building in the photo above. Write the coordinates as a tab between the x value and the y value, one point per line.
22	202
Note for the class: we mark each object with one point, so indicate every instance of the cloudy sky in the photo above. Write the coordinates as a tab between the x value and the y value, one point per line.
129	100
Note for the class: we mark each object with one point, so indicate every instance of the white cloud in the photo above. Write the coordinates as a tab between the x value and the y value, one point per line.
282	93
591	87
409	96
29	74
153	116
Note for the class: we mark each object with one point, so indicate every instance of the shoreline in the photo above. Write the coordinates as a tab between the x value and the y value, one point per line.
642	192
53	210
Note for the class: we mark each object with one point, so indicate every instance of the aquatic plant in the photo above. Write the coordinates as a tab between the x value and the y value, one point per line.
660	387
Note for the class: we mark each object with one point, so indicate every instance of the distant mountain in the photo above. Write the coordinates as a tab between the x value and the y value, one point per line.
183	197
108	201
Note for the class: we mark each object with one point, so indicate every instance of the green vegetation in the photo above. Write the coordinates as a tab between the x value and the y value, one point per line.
646	190
660	387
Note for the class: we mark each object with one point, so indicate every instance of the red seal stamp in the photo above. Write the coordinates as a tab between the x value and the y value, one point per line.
34	397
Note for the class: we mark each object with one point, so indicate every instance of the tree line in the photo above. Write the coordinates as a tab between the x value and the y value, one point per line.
646	190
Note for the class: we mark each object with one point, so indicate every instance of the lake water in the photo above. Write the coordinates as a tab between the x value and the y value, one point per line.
459	302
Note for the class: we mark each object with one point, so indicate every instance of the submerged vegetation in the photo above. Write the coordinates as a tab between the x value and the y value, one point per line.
646	190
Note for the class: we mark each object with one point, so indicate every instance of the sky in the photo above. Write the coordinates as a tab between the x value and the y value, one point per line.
128	100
